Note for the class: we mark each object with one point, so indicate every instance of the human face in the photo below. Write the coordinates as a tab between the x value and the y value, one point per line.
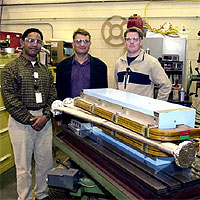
31	46
133	43
81	44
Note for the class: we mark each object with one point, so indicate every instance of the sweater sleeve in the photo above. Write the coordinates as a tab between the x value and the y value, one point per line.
161	78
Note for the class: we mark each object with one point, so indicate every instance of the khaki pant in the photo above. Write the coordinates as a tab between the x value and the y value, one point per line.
27	142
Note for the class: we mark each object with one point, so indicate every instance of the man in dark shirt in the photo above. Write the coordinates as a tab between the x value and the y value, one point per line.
28	92
81	70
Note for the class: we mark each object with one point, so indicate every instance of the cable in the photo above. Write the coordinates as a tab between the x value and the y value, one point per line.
170	31
88	186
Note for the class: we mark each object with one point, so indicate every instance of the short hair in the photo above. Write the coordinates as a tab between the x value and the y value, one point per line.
30	30
134	29
82	32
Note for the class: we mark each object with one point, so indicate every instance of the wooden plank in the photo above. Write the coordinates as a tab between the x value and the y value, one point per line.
134	177
168	181
87	165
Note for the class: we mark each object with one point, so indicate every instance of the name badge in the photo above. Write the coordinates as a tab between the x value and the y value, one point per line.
35	75
38	97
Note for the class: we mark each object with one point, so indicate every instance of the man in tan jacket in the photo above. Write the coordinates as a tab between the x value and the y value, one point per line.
138	72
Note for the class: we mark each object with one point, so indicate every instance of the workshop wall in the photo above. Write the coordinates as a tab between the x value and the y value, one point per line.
58	21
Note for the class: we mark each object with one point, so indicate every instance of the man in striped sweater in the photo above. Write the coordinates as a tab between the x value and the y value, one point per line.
138	72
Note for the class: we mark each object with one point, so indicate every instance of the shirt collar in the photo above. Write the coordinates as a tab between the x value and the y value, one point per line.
74	60
29	62
138	59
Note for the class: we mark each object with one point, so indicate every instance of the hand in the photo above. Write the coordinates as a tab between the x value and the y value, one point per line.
38	122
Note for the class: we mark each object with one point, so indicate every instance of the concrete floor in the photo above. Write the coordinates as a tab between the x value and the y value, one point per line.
8	185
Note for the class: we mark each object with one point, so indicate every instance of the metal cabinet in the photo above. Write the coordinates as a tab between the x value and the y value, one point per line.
6	152
172	54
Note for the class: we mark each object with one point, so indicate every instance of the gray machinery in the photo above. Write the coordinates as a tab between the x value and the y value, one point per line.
195	78
172	54
191	78
5	43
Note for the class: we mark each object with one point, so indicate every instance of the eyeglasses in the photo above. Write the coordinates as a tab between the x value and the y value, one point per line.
36	41
79	41
129	39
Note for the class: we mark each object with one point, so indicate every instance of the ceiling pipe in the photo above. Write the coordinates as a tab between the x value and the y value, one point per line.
70	2
1	13
22	24
94	18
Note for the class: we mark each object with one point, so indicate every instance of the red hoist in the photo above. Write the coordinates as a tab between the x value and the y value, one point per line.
135	20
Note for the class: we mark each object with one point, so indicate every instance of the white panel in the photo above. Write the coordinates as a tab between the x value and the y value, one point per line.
175	46
168	115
